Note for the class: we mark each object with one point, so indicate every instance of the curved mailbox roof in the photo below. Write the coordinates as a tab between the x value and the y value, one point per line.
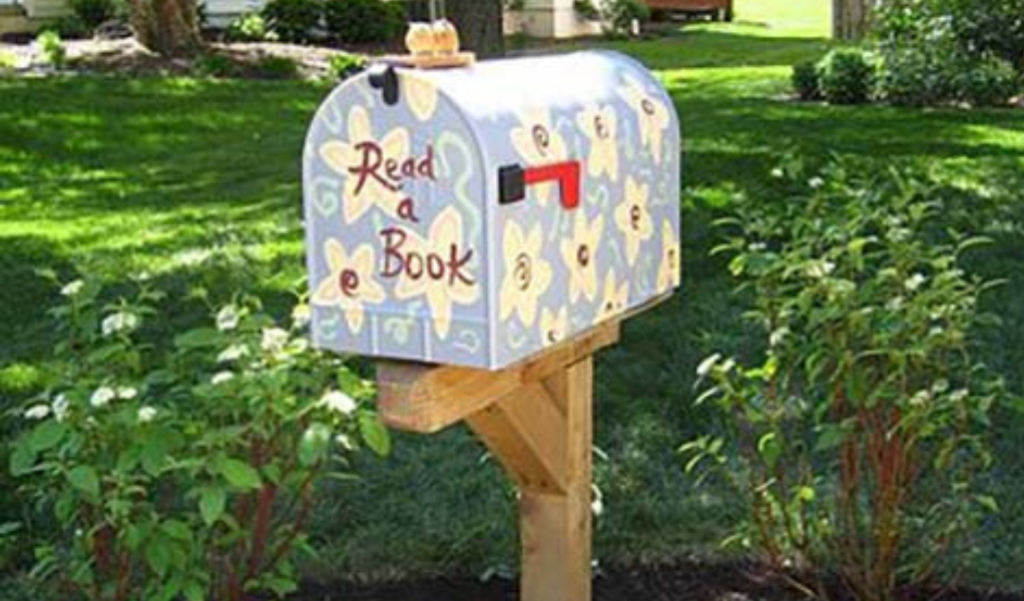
421	248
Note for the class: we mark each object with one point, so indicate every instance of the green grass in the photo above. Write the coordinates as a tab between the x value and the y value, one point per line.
186	179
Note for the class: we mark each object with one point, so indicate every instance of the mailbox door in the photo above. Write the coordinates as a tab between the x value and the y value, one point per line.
395	226
568	257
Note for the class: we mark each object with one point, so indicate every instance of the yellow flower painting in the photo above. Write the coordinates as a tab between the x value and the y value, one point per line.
633	218
350	284
600	125
432	282
346	158
554	325
527	274
420	95
615	298
538	143
579	253
652	116
668	270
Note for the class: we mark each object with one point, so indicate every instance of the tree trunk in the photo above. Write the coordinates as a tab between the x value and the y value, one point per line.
480	25
167	27
850	19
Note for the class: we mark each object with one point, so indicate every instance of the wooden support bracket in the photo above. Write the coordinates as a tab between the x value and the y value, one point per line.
536	419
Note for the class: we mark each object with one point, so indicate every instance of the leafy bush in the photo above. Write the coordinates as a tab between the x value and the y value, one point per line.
988	82
277	67
364	21
346	65
52	48
185	475
216	65
586	10
620	14
250	27
846	76
806	81
978	27
857	440
93	13
292	20
916	76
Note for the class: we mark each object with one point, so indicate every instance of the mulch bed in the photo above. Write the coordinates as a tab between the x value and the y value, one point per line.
125	57
683	581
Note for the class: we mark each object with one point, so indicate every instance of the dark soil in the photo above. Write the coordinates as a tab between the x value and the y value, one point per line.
684	581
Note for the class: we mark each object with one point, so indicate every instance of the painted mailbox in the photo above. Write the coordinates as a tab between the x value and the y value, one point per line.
474	216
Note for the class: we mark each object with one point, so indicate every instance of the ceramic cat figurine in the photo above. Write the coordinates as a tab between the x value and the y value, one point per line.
446	37
420	40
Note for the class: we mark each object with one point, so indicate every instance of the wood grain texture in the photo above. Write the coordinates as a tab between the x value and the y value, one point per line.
425	398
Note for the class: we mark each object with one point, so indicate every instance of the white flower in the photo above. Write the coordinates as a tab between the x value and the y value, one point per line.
232	353
815	182
102	397
708	364
597	504
344	442
778	173
894	304
339	402
274	340
959	395
821	269
120	322
146	414
301	316
776	337
227	318
37	412
60	407
127	393
221	377
72	288
922	397
757	247
914	282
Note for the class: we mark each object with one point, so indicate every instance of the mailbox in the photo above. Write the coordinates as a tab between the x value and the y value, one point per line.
475	216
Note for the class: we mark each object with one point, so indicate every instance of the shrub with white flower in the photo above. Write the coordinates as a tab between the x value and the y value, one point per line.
867	387
160	455
120	323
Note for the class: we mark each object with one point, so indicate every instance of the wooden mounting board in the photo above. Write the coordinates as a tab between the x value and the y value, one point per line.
431	61
426	398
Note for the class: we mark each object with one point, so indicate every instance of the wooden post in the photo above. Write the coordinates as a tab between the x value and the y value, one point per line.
555	528
537	420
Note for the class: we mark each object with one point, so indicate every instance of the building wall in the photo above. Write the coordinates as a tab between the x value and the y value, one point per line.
550	19
46	9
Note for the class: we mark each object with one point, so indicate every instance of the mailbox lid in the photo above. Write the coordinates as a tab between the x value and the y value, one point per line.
395	226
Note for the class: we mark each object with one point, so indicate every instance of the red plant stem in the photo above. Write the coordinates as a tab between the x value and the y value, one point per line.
305	507
260	529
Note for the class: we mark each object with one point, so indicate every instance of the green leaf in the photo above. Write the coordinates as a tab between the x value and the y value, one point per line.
199	338
374	433
240	474
806	494
988	503
769	448
158	554
314	444
194	591
212	500
47	435
154	455
23	459
85	479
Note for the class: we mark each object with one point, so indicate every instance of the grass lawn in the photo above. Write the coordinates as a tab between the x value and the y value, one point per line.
186	180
